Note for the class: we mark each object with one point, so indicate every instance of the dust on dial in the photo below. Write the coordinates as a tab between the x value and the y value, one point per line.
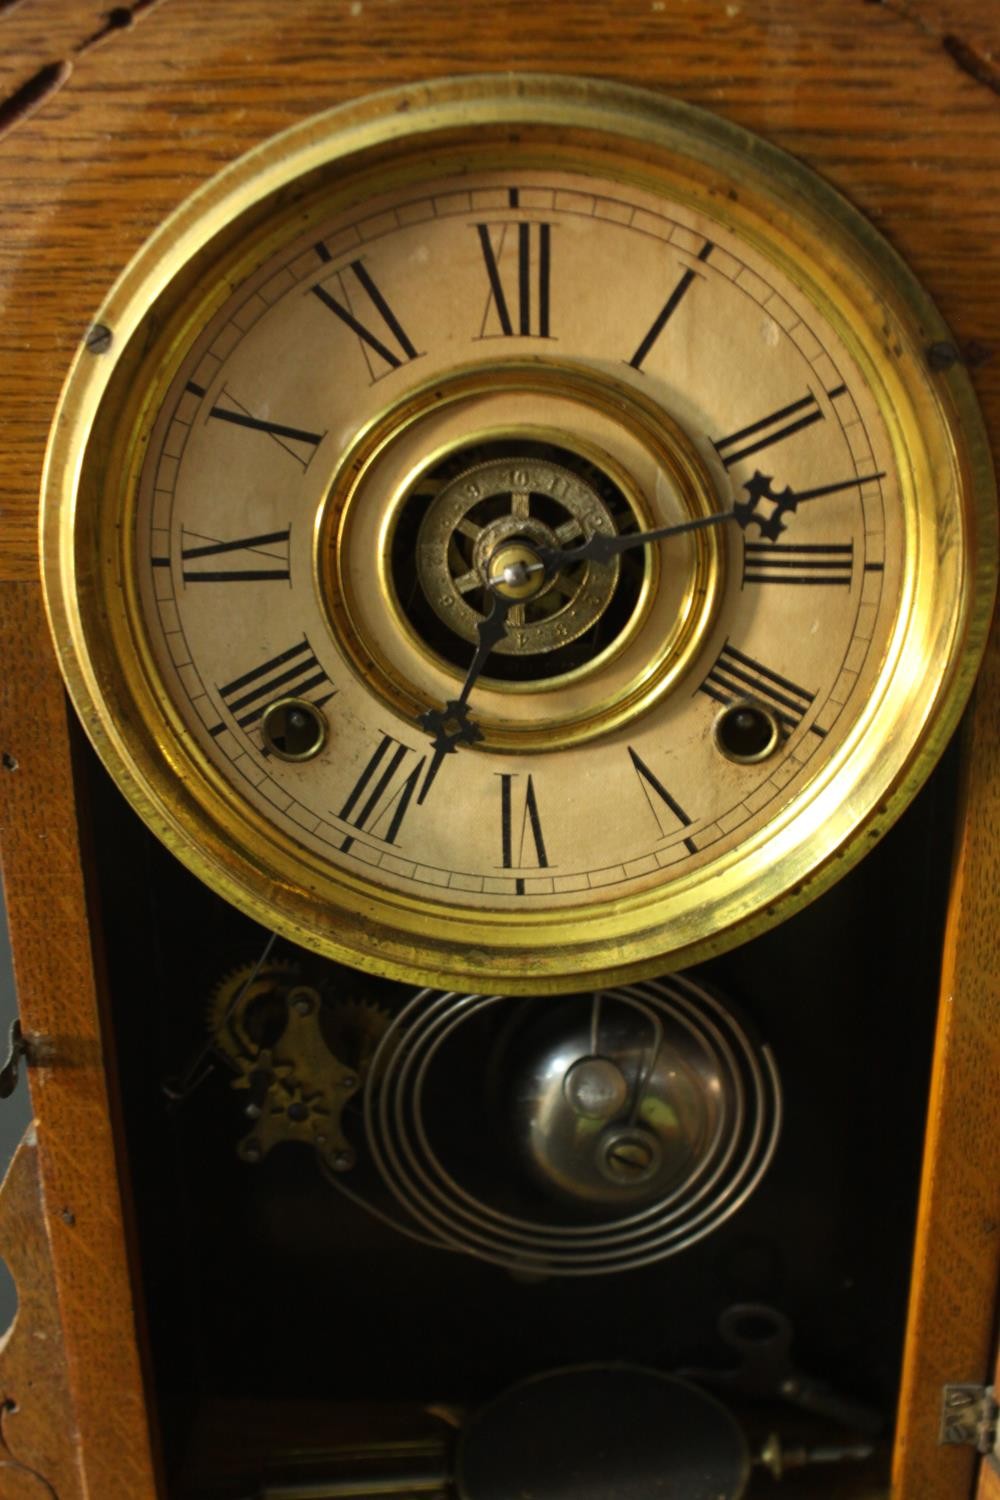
374	673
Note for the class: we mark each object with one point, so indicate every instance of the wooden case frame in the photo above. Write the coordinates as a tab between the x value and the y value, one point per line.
108	119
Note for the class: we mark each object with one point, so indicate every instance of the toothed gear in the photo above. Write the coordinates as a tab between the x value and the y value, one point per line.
353	1030
233	994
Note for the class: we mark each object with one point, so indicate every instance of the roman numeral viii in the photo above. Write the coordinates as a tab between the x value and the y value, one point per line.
378	801
522	844
736	675
290	674
808	565
387	338
518	261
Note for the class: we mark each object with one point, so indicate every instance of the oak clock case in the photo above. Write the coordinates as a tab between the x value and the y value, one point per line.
345	530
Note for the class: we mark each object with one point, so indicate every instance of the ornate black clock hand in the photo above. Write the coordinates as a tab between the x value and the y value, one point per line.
451	726
600	548
760	489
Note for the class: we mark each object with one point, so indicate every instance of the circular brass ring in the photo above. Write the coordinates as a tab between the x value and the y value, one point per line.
651	459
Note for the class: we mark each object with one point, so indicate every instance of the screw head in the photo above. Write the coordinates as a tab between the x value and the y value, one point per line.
629	1156
98	339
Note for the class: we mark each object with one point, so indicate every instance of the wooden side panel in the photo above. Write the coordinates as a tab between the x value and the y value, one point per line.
989	1481
957	1260
53	967
38	1453
989	1471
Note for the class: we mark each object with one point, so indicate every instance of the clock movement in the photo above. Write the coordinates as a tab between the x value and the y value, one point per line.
519	548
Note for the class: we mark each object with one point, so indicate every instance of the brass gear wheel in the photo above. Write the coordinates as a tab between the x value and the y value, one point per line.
232	997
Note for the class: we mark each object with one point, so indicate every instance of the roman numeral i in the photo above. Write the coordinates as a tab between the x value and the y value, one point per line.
387	338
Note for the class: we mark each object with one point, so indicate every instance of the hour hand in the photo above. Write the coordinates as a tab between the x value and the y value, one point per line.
453	725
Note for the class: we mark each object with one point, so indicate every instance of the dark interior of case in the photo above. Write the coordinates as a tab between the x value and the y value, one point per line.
299	1345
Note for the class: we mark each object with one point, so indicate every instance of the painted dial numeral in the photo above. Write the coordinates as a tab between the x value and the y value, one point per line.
522	843
289	674
519	292
736	675
659	798
392	344
248	559
771	429
378	801
809	564
667	311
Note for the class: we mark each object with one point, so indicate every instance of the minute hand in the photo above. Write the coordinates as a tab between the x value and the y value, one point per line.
600	548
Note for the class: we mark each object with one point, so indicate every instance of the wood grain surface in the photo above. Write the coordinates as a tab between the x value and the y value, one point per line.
108	119
54	973
38	1454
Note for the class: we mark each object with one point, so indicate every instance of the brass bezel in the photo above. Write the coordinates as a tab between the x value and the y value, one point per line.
184	273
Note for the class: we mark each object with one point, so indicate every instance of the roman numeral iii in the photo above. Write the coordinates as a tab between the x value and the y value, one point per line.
809	565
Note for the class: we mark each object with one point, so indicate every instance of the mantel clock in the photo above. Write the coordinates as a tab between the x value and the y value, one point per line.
520	548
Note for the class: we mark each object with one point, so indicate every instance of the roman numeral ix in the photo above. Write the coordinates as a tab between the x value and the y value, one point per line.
388	339
736	675
519	270
289	674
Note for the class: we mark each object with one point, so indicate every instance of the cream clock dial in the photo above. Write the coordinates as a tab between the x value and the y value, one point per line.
515	537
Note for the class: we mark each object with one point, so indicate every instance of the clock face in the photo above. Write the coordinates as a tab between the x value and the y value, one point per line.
363	657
